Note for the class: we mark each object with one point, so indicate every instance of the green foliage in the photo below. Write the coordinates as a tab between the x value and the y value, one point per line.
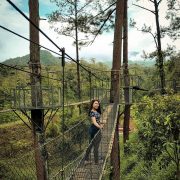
73	17
158	123
132	167
76	14
7	117
173	30
173	66
163	168
153	151
9	171
53	130
4	71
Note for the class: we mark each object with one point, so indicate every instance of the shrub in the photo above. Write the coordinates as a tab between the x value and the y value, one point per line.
153	151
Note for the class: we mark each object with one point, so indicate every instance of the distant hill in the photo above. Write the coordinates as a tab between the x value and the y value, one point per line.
145	63
46	59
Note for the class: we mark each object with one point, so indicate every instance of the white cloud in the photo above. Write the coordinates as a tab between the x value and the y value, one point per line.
101	49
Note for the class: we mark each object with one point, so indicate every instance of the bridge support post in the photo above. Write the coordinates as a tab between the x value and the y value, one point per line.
37	112
115	155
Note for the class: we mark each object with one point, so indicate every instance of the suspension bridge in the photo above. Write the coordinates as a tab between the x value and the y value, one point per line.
63	156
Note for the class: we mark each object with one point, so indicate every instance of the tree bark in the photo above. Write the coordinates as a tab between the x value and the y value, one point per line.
115	84
126	75
115	155
77	53
116	65
160	56
37	113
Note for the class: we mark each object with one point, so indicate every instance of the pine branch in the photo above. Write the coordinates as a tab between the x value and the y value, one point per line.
154	37
102	11
84	6
151	1
103	25
144	8
68	35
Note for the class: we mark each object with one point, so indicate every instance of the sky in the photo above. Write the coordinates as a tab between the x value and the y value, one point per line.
12	46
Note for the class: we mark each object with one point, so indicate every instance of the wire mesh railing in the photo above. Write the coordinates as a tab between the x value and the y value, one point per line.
94	158
57	153
64	156
22	97
65	150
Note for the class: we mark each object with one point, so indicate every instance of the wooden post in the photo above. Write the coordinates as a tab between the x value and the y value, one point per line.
126	76
115	154
115	85
115	73
77	53
37	113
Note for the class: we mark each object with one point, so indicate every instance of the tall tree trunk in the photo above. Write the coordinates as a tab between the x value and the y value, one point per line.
77	52
37	114
160	56
116	65
126	75
115	83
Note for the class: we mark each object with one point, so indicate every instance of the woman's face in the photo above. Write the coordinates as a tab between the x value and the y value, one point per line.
96	105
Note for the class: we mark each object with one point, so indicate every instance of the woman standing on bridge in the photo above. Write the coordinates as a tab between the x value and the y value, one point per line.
94	130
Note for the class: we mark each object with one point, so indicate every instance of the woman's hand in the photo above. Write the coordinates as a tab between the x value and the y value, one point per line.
101	126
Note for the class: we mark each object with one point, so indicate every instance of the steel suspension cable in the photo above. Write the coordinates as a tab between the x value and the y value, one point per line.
60	49
29	40
42	47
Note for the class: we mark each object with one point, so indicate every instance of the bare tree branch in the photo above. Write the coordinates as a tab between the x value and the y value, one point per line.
144	8
154	36
159	2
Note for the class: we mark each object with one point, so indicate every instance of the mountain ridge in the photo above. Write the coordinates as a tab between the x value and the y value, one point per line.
46	59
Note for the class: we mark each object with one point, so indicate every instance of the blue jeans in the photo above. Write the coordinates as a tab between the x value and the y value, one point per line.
94	140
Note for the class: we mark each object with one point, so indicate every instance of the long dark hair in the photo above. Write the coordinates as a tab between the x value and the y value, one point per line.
91	106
